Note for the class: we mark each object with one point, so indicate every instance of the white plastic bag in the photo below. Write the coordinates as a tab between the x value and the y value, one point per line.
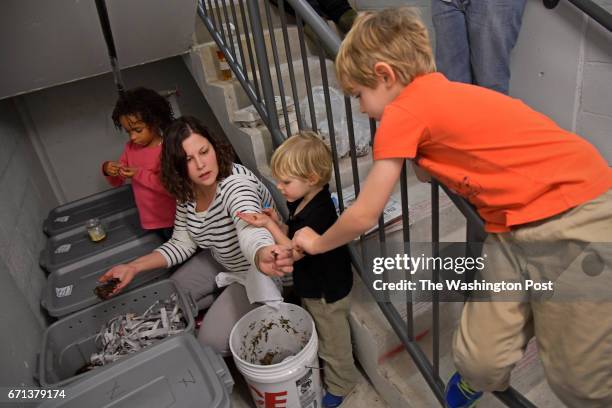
361	124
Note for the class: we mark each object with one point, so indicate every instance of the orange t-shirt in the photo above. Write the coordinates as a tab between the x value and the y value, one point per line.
513	163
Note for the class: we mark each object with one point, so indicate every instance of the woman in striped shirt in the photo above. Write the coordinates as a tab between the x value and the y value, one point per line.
210	190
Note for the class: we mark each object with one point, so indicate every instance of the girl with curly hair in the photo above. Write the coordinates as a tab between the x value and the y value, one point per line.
143	114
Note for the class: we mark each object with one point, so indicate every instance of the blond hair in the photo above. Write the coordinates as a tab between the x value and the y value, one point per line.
395	36
303	155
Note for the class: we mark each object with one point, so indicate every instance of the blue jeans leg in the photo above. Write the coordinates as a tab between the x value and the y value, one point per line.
493	27
474	39
452	43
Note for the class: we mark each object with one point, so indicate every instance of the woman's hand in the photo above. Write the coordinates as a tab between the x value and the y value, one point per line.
256	219
125	273
305	240
274	260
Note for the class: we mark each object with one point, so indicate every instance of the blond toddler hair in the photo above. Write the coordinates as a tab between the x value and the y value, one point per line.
303	155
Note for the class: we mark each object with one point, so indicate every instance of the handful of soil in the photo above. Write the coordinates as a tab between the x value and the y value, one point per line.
105	290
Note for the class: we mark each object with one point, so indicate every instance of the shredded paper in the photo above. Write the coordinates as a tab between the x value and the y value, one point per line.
129	333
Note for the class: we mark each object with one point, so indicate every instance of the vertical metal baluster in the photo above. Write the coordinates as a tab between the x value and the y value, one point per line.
266	79
247	37
352	148
221	27
279	74
229	28
296	101
354	164
313	117
212	14
239	41
435	239
381	219
330	121
406	239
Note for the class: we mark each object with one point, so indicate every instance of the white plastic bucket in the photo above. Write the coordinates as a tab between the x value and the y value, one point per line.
286	340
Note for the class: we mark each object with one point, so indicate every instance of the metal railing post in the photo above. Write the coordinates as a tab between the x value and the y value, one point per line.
266	79
329	39
110	44
588	7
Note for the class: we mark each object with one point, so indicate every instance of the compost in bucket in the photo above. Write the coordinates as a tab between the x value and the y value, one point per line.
276	352
270	341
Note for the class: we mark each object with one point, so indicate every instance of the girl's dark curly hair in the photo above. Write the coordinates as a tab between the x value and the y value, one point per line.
152	108
174	174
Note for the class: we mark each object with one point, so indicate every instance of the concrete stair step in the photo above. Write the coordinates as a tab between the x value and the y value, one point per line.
209	50
236	98
364	396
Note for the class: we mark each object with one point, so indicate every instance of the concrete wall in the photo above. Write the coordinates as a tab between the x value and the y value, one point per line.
561	66
594	113
71	124
47	43
25	199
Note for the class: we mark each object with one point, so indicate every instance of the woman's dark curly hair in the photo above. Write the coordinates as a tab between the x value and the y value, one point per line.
174	174
146	104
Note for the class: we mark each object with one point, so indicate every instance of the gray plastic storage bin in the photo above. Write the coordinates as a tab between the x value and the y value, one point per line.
178	373
71	288
69	342
74	245
101	205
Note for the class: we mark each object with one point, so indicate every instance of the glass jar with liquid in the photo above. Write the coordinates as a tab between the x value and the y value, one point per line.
95	230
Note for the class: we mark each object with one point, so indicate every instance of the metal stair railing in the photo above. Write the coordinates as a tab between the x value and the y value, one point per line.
588	7
255	78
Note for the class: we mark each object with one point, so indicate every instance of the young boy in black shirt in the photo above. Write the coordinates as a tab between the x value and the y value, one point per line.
302	166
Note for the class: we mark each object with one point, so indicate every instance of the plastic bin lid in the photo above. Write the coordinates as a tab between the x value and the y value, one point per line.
100	205
178	372
71	288
75	244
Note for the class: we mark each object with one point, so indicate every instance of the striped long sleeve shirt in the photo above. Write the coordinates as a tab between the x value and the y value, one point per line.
232	242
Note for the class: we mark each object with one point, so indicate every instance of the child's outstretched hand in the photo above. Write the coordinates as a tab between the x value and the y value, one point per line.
128	172
256	219
112	168
271	212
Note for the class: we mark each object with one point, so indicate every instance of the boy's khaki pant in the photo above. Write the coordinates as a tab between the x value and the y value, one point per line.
335	348
573	333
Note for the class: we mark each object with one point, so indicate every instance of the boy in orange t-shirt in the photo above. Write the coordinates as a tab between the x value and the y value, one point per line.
534	184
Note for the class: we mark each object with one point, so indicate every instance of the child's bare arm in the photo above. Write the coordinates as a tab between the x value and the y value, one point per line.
275	228
360	216
271	212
